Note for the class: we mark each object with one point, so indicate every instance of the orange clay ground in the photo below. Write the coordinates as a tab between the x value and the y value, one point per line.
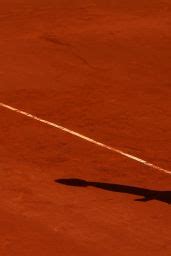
100	68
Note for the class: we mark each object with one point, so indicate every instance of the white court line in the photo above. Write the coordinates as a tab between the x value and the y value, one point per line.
137	159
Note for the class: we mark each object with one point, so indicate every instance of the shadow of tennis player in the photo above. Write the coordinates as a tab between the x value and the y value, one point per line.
147	194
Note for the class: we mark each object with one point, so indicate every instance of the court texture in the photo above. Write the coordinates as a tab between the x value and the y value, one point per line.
85	128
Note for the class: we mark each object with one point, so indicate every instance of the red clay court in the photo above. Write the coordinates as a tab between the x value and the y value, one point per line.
85	113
